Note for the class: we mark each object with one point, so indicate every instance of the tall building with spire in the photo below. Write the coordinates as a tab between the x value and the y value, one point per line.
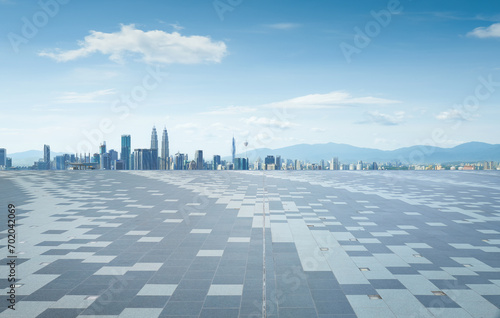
154	150
165	154
233	149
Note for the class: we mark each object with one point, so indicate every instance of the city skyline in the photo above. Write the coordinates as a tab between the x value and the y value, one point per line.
387	74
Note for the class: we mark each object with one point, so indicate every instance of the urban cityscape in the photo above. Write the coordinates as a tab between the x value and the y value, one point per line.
250	159
157	157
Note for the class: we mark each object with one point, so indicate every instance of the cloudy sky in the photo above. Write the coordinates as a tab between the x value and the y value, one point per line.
380	74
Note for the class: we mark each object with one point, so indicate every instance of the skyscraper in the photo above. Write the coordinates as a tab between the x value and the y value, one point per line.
142	159
334	164
154	150
179	161
3	157
198	157
269	161
125	153
165	154
46	156
233	149
216	162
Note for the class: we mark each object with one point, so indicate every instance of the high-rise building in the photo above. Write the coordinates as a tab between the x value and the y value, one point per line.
165	154
154	149
269	161
125	153
334	164
113	155
179	161
240	164
46	156
216	162
8	163
233	149
278	162
360	165
3	157
103	157
198	158
102	148
142	159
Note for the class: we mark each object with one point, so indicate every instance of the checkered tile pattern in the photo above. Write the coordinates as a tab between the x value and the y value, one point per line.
190	244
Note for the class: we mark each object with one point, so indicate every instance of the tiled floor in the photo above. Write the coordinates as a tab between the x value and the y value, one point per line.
204	244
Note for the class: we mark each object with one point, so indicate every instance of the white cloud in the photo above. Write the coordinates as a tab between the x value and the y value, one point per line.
176	26
493	31
316	129
187	126
330	100
81	98
153	46
453	114
269	122
376	117
231	110
283	26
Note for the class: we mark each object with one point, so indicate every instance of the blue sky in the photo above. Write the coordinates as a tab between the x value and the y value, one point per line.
380	74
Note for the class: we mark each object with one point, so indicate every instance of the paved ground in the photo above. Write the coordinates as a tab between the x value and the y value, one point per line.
192	244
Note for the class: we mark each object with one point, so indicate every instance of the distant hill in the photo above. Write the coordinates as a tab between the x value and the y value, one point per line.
27	158
471	151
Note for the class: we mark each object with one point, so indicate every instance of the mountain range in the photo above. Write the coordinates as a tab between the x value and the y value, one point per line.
467	152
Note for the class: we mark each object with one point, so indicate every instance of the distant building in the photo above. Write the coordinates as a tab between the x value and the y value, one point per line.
179	161
61	162
298	165
126	152
360	165
8	163
154	150
46	156
233	150
278	162
334	164
352	166
119	165
269	161
3	157
192	165
198	158
374	166
104	159
142	159
240	164
216	162
113	155
165	152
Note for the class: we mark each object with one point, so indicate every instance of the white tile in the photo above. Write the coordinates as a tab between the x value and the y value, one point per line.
225	290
